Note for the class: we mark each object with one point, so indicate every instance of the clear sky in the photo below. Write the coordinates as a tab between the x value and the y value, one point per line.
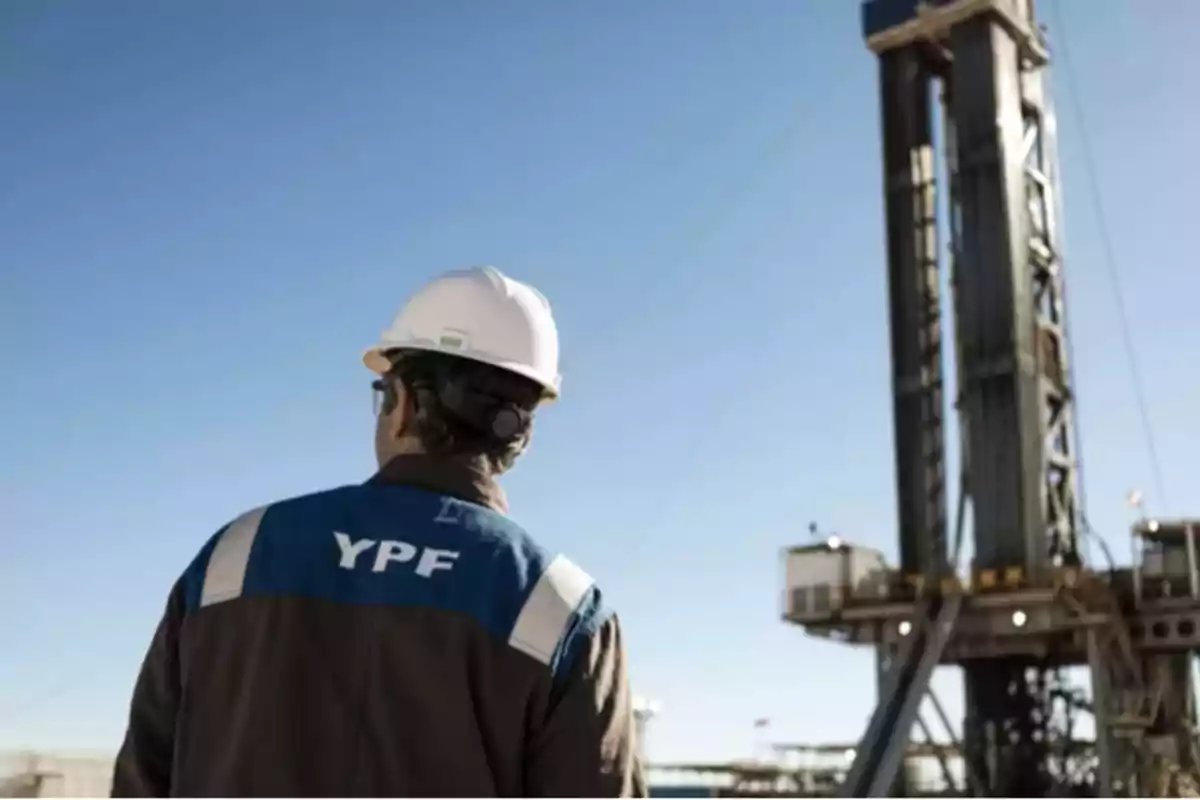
207	211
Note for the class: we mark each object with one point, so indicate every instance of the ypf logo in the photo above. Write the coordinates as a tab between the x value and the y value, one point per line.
391	551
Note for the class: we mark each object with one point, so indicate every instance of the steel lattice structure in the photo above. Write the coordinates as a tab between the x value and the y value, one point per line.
965	110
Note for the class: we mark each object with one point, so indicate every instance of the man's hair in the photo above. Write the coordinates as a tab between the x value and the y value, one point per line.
464	407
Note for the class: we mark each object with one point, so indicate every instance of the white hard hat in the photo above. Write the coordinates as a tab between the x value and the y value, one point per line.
480	314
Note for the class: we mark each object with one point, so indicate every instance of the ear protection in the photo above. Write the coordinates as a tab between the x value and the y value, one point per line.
499	418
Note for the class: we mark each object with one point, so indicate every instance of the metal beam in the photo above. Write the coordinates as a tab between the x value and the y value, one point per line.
914	302
880	753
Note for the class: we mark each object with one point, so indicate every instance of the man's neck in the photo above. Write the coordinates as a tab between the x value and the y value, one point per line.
469	479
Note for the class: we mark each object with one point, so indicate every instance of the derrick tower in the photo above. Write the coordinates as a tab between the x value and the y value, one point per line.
968	142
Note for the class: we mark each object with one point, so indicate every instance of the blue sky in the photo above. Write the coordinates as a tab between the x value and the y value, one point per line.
207	210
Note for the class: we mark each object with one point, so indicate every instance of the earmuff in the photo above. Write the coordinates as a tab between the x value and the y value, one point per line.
498	418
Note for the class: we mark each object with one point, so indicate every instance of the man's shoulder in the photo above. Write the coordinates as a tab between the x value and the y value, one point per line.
562	605
235	539
311	506
535	571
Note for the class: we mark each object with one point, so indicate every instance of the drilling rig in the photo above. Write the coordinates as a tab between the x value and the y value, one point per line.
969	142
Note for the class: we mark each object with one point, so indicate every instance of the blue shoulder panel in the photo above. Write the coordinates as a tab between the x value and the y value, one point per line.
402	546
585	622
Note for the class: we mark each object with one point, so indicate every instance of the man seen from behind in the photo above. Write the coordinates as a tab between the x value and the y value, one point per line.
405	636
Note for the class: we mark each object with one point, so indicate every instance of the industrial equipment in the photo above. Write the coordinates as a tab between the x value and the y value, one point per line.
1029	607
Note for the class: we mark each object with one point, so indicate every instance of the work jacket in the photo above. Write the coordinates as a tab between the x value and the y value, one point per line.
396	638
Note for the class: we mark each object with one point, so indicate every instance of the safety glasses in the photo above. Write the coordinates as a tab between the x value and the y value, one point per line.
380	391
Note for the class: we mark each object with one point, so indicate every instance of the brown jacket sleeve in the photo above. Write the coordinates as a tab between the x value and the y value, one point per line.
143	767
586	745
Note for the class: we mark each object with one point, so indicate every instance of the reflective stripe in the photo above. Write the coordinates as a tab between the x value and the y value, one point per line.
545	616
226	572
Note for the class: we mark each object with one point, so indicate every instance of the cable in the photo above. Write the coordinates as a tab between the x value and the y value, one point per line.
1090	533
1107	254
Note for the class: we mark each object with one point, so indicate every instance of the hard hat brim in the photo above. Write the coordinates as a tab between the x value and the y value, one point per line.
376	360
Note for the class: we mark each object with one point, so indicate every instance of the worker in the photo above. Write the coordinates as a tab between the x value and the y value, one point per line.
402	637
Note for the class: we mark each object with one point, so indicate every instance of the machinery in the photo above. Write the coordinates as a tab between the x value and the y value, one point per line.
799	770
1029	607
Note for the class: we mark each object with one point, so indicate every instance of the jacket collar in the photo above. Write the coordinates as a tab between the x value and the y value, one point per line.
465	479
